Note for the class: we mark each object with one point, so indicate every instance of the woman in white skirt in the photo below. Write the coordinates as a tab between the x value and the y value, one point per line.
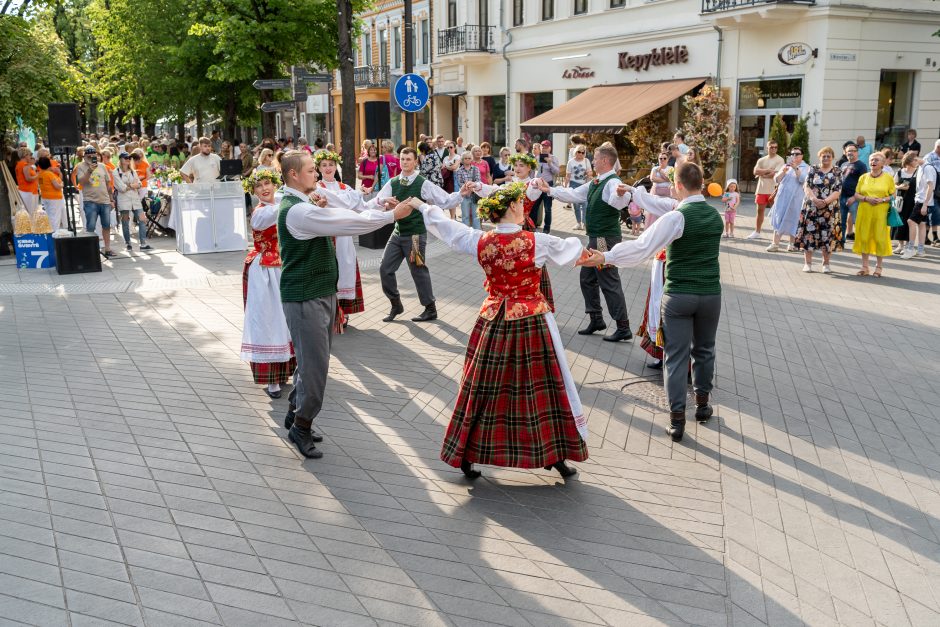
266	344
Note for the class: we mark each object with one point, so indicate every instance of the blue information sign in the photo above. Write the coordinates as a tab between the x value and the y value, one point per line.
411	93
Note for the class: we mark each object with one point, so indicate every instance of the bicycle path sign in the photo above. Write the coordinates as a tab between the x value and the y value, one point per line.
411	93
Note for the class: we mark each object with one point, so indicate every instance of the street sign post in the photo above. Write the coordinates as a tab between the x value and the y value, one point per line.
271	83
281	105
411	93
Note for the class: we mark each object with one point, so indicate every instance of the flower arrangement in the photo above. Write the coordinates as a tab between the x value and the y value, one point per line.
327	155
525	158
708	124
494	207
249	183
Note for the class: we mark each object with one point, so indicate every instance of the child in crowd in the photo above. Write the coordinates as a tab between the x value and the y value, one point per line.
468	206
730	198
636	219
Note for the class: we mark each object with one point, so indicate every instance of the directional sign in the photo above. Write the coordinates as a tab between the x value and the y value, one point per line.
281	105
317	78
411	93
272	83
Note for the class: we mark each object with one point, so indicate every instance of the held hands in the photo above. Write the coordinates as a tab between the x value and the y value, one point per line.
390	203
591	257
542	185
366	191
623	189
404	209
466	189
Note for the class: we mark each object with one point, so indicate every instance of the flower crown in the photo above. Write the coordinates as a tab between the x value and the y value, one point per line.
249	184
326	155
494	207
525	158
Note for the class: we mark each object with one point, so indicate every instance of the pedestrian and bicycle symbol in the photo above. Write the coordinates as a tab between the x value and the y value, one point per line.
411	93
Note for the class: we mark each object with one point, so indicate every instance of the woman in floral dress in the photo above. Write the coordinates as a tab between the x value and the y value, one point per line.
819	227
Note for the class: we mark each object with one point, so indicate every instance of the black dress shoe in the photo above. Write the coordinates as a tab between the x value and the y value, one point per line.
596	324
304	440
655	365
676	425
272	394
429	313
468	471
619	335
563	469
703	410
289	422
397	309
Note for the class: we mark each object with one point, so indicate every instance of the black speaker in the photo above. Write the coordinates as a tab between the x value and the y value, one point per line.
376	240
64	129
378	120
77	254
230	167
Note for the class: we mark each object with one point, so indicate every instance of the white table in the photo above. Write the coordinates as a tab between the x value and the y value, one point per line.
209	217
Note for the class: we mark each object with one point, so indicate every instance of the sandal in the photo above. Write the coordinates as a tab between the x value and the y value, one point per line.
862	272
877	273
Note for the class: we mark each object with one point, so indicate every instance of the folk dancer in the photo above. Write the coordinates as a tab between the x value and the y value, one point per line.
409	239
605	197
522	166
518	405
692	295
266	344
309	275
338	194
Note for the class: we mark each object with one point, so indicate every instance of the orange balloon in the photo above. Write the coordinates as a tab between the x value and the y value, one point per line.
714	189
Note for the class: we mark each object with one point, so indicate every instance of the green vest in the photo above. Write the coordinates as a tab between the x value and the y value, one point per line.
308	266
414	223
692	260
600	220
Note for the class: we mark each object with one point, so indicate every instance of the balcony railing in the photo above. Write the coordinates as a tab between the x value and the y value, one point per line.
469	38
371	76
713	6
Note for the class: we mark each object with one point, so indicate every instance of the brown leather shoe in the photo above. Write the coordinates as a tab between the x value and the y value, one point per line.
676	425
703	411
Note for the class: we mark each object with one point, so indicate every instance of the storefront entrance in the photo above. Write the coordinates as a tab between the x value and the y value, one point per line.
758	103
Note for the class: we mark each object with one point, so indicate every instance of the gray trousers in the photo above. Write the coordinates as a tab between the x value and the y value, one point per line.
607	280
690	322
311	330
397	250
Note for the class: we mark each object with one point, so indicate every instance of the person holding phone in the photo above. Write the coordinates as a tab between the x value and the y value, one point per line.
96	196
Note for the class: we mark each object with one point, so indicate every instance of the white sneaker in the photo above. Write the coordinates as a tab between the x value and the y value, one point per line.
920	253
753	235
807	267
827	269
908	253
791	249
773	248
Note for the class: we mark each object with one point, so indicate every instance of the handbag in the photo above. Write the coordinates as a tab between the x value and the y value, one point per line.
894	218
773	196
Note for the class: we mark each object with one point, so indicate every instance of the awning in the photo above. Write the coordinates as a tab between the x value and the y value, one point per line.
609	108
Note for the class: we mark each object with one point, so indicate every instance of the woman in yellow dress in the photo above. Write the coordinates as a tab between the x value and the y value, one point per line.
872	234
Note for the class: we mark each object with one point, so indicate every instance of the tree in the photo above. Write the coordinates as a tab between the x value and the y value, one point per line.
348	113
647	134
800	137
707	127
779	134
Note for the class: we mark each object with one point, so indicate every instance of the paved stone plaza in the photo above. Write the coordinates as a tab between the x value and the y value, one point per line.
145	480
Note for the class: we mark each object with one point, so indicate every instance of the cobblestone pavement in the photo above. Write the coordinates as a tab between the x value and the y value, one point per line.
145	480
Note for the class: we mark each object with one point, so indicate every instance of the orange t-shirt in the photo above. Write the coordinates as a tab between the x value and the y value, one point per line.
30	187
143	168
46	189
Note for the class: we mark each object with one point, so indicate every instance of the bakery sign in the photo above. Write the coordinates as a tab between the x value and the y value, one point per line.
796	53
666	55
578	72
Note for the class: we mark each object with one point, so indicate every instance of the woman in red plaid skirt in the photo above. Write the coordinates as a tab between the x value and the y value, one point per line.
266	341
518	405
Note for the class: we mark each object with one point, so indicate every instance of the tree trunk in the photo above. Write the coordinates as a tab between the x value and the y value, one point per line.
180	129
230	124
137	129
92	115
348	135
150	128
198	121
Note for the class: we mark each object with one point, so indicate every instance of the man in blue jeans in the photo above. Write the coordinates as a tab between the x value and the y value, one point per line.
852	170
96	196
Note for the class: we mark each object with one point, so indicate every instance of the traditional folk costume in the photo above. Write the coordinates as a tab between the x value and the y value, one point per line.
691	303
409	241
349	297
518	405
309	277
602	223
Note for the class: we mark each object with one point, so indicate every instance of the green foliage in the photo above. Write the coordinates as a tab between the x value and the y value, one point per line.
34	70
779	134
800	136
707	127
647	134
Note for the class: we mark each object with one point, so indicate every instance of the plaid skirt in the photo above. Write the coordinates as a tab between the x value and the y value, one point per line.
356	305
545	286
273	372
512	408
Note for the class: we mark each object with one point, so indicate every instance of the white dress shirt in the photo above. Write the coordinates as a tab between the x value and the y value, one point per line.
430	192
264	216
532	192
665	231
349	198
580	194
306	220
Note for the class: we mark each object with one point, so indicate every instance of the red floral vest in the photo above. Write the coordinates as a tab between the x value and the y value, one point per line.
266	246
508	259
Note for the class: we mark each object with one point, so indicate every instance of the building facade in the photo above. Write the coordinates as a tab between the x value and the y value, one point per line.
855	69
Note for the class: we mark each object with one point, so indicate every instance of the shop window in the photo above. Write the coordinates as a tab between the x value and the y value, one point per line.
518	12
895	99
451	13
494	120
396	50
616	4
383	46
367	49
426	40
580	7
785	93
548	10
536	104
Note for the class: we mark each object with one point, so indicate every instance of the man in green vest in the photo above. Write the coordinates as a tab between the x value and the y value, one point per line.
309	274
409	239
692	294
605	197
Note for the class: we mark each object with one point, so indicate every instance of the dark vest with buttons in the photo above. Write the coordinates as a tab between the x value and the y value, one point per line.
414	223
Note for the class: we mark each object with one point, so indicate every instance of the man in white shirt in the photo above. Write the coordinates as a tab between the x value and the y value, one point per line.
203	167
308	286
924	202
